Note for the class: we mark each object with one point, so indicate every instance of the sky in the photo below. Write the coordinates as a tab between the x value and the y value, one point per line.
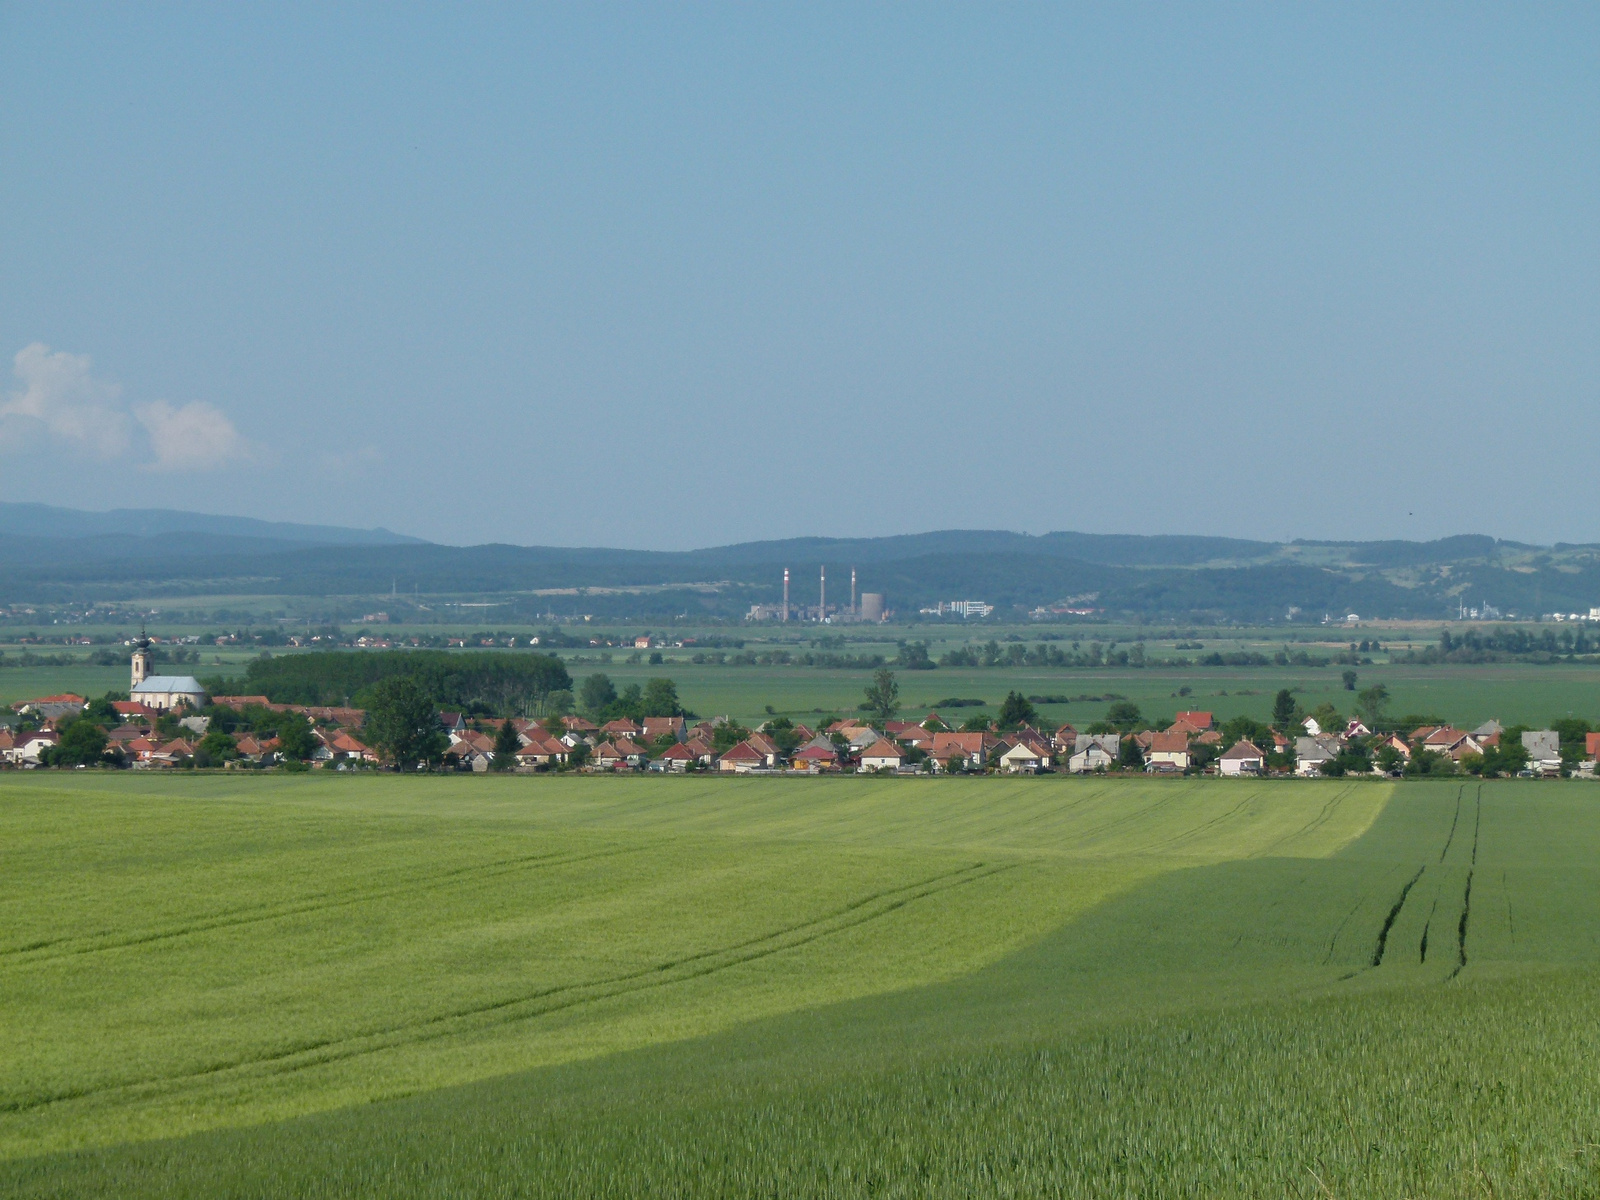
677	276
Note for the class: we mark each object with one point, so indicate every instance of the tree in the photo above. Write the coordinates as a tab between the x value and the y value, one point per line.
660	699
1328	719
294	737
1129	755
1015	711
914	657
1246	729
1371	703
402	723
1283	707
597	694
1349	678
1125	715
216	747
506	745
883	694
81	745
976	723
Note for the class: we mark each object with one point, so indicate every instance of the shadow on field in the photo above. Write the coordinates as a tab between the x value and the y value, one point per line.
1268	1027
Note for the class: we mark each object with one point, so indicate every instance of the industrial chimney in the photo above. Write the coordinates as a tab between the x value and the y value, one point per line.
853	611
786	593
822	597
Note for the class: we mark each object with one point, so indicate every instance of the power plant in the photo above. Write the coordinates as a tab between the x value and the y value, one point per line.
864	606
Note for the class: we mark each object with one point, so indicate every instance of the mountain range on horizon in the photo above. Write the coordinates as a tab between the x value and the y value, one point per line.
56	555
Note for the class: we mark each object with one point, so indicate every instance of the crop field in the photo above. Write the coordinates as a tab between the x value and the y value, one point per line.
1463	694
226	985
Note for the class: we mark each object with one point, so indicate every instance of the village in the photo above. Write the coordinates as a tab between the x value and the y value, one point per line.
169	722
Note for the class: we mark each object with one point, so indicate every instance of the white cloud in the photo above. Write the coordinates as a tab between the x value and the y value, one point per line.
194	437
61	399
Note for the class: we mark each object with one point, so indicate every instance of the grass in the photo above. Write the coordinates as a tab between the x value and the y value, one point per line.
833	987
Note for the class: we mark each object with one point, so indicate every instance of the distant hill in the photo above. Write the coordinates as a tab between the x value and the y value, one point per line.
1169	578
48	521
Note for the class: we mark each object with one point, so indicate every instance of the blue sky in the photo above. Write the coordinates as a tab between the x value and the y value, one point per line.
668	277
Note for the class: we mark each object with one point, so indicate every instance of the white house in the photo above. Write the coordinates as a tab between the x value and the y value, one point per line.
880	755
1094	752
1021	757
1544	750
1311	752
1243	758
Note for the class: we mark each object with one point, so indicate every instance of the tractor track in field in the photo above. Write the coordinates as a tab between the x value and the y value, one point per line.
543	1001
1454	821
1394	915
1197	830
98	943
1422	955
1316	822
1466	895
1127	818
1333	941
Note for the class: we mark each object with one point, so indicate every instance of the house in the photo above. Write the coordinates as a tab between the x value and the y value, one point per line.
701	748
1453	743
1311	752
1489	729
1202	721
1544	750
132	710
1168	752
242	702
1094	752
1209	737
1185	728
819	754
607	757
1355	729
768	747
658	727
1242	758
1023	757
622	727
49	708
1065	740
1395	742
633	753
579	725
452	723
971	749
882	755
1591	745
541	750
862	736
166	692
676	757
742	758
345	746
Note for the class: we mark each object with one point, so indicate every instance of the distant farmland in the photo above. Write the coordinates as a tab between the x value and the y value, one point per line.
386	986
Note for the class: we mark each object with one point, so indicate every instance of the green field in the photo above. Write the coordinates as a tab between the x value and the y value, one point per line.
1467	695
555	986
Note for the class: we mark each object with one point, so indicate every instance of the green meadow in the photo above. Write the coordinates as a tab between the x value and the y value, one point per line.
280	985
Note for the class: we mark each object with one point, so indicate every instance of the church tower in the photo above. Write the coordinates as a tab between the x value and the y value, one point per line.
141	659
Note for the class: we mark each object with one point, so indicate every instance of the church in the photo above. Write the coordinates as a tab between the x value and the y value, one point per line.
162	692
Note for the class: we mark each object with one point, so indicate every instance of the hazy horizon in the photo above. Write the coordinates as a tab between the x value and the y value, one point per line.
677	278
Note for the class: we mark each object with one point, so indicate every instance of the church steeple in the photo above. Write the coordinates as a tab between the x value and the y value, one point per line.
141	659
